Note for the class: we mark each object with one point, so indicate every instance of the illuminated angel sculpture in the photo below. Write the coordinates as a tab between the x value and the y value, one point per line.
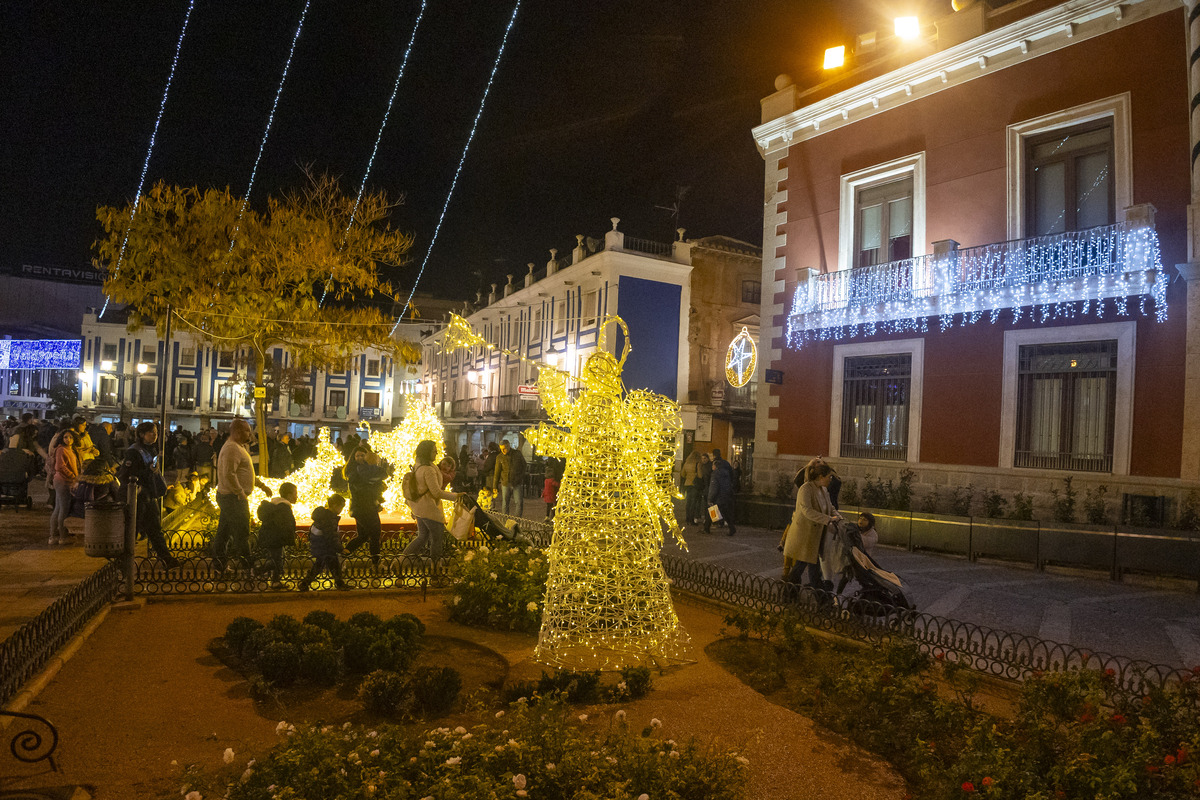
608	602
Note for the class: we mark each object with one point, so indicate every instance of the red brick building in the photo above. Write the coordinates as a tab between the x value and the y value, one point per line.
977	261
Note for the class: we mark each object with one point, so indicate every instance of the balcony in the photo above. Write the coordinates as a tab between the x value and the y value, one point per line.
185	404
1110	267
335	411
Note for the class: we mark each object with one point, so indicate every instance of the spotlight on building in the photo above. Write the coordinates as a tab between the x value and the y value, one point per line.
142	369
908	27
835	57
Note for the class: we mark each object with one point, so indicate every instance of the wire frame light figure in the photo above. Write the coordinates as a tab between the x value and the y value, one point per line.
608	602
398	445
312	479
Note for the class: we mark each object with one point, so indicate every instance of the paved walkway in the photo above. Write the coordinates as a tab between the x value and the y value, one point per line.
1154	620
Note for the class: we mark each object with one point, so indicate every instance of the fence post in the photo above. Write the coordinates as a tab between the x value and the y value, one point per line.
970	540
1037	546
130	535
910	544
1115	573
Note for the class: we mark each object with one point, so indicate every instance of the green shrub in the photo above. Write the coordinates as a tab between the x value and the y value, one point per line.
390	652
355	644
434	690
1095	510
636	681
1022	507
1189	511
785	488
501	587
238	631
1062	504
874	493
258	641
365	619
961	498
931	502
849	495
320	664
326	620
385	693
287	625
279	663
993	504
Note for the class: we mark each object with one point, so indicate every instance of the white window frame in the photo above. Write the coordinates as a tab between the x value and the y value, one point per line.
345	398
149	354
179	384
909	166
1116	109
366	402
560	317
535	332
108	352
1126	335
915	349
187	356
374	373
591	307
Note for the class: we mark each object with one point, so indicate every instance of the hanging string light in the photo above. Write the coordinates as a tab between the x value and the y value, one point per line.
270	121
379	136
461	160
1063	276
162	105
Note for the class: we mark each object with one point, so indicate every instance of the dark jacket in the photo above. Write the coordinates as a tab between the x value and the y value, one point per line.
720	485
138	462
489	468
323	537
366	485
16	466
511	468
278	523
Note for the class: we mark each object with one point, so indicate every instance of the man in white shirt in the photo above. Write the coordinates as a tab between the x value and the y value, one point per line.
235	484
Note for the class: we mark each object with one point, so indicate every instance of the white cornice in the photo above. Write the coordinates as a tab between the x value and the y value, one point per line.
1023	40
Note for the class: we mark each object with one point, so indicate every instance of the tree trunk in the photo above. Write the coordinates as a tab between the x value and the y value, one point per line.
260	419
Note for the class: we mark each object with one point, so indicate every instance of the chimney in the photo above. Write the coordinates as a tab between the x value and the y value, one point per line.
492	295
614	239
552	264
508	287
580	252
529	276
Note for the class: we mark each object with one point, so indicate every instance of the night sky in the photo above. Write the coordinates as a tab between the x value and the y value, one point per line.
599	109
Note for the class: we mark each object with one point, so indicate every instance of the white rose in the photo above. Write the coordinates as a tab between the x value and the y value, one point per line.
229	756
519	781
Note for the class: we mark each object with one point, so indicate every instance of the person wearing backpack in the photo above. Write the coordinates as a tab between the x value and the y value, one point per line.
278	529
423	492
366	473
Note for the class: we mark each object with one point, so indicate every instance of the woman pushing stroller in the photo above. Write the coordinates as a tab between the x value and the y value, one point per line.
805	537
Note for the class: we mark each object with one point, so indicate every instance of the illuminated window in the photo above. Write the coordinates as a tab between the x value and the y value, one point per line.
875	406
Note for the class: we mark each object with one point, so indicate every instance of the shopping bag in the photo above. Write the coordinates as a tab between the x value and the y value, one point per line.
462	522
714	513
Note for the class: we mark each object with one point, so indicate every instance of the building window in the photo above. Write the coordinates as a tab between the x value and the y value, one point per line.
108	390
752	292
110	352
225	397
883	223
370	400
149	355
187	356
146	392
560	318
372	367
14	382
225	359
301	396
1066	402
535	333
1069	179
1070	170
882	213
337	397
591	308
185	394
875	406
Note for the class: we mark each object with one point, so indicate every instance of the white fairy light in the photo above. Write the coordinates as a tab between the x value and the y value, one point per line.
162	106
379	136
270	121
462	159
1055	277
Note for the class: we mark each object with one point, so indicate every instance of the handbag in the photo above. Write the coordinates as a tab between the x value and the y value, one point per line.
462	522
714	513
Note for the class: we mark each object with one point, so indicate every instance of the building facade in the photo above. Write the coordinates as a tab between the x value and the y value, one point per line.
676	299
122	375
971	246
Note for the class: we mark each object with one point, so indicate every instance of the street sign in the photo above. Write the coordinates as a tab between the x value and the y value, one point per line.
718	394
774	376
527	391
260	391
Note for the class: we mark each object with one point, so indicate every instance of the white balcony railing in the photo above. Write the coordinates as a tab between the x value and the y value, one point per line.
1108	266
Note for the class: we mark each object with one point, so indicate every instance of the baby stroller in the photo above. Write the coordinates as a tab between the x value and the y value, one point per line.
881	591
488	525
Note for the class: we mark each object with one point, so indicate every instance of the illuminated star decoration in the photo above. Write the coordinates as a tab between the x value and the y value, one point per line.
741	359
608	601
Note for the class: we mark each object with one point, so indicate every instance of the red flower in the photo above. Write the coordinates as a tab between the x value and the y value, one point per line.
1146	700
1086	717
1196	670
1151	768
986	782
1181	755
939	655
968	787
1059	793
1119	719
1169	760
1110	672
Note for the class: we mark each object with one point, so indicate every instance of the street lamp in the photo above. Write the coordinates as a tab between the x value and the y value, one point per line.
552	355
143	368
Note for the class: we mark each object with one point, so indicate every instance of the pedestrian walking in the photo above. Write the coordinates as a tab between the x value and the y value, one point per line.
804	537
720	492
138	463
366	473
235	484
693	505
278	529
325	543
426	507
64	475
550	489
510	479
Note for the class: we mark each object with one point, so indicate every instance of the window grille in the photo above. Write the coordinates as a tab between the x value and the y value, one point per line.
752	292
1066	406
876	391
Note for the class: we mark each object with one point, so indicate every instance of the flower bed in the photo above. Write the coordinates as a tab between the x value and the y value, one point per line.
1068	736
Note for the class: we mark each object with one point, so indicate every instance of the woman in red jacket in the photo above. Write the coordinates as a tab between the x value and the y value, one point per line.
66	475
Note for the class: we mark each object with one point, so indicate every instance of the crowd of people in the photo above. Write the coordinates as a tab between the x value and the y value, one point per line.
709	484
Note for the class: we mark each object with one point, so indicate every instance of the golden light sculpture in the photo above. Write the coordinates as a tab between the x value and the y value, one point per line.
398	445
312	479
740	359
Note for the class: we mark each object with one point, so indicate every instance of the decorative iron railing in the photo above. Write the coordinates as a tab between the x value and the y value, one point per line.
28	744
33	644
1107	265
648	246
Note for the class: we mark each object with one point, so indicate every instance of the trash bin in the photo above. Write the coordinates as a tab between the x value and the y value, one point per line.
104	529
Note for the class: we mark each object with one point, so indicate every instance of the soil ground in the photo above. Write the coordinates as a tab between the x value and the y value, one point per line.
144	697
